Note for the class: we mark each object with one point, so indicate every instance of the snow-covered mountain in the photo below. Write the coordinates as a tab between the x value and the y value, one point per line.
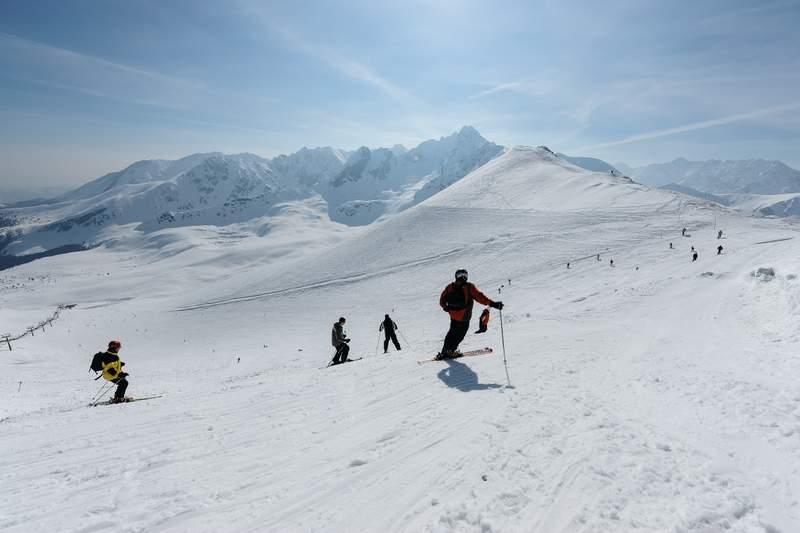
656	395
750	176
309	167
199	189
374	182
765	205
218	189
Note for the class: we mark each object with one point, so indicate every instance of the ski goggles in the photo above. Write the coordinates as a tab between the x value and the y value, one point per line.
461	274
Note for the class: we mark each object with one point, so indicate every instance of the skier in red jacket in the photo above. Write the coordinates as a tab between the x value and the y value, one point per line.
457	300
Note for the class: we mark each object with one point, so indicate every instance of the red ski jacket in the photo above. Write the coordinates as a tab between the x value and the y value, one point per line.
458	300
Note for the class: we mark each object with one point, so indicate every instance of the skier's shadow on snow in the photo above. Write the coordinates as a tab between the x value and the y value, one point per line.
459	376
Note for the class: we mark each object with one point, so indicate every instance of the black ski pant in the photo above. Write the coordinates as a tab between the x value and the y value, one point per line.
456	334
122	386
390	336
341	353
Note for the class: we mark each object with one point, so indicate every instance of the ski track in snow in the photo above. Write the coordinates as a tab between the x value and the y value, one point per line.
658	399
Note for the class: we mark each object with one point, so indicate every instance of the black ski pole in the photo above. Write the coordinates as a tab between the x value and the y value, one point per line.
103	390
404	339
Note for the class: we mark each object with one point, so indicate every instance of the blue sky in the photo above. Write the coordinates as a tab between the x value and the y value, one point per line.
89	86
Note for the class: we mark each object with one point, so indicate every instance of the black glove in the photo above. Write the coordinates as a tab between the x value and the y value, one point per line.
347	340
497	305
122	364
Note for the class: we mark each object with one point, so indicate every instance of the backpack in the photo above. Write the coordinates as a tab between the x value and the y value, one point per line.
458	297
97	362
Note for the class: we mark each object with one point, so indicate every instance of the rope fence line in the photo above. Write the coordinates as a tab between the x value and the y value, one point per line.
6	338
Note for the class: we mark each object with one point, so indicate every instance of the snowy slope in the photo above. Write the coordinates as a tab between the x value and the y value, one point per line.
661	398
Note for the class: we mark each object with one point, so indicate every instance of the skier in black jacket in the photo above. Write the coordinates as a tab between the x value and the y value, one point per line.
388	327
339	341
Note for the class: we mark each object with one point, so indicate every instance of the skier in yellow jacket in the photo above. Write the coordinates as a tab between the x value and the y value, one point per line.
110	364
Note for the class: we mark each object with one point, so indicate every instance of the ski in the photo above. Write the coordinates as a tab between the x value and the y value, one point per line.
127	400
471	353
346	361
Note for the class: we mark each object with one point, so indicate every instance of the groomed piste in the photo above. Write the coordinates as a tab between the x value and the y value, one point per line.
658	394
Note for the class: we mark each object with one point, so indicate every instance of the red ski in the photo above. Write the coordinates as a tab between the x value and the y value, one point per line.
471	353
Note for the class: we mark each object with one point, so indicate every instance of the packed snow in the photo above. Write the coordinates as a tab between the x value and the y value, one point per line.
658	394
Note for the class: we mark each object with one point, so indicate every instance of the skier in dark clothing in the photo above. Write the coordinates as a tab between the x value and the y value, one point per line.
339	341
683	232
670	246
719	234
388	327
694	256
110	365
457	300
483	321
719	250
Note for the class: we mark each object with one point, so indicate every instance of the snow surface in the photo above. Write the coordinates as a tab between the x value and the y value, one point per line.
655	395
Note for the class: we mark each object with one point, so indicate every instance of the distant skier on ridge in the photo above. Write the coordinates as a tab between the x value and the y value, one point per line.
388	327
457	300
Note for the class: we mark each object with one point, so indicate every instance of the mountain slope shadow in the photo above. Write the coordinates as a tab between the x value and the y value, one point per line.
459	376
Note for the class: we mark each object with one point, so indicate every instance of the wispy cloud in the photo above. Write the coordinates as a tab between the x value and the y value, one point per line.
758	113
530	88
61	69
64	69
347	66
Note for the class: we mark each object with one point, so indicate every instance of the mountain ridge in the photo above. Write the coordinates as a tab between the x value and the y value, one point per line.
714	176
215	188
